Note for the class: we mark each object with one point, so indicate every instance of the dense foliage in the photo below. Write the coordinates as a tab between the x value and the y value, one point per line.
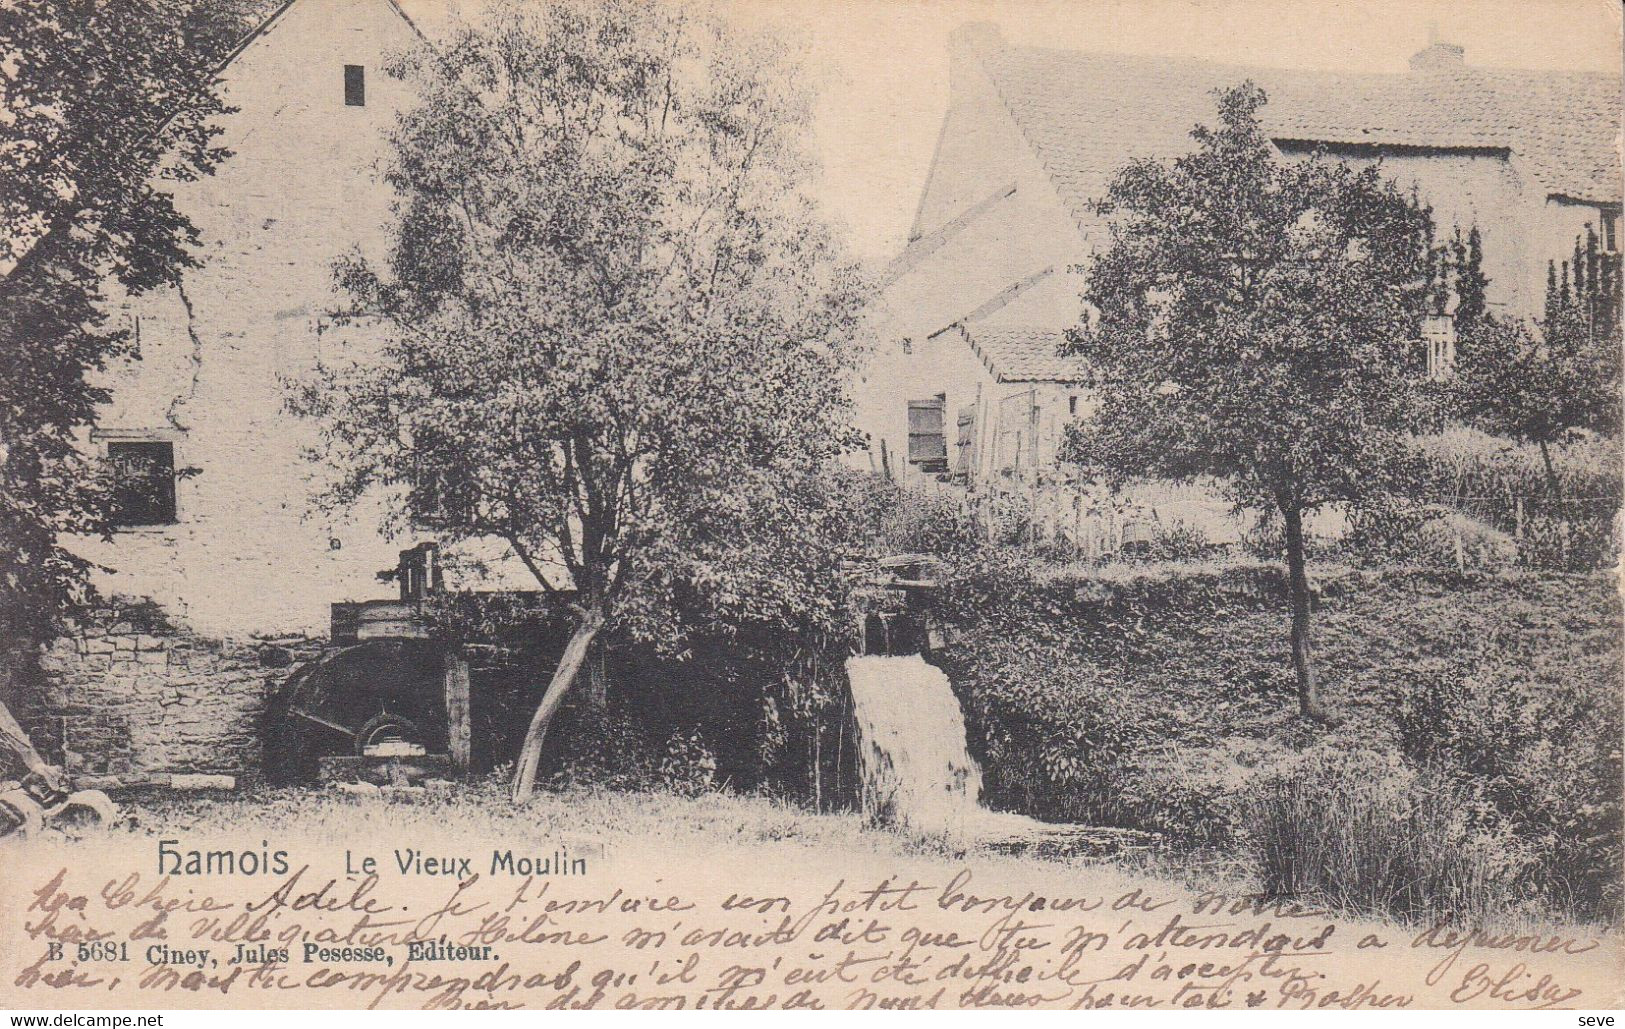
616	332
1554	509
1156	698
1365	833
106	106
1548	384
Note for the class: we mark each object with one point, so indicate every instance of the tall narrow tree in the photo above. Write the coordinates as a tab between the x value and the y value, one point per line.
1472	285
1250	323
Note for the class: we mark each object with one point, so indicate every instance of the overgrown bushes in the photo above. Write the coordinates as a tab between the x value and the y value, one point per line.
926	520
1468	463
1544	762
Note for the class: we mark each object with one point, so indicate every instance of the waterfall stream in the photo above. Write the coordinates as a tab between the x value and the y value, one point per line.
914	760
916	769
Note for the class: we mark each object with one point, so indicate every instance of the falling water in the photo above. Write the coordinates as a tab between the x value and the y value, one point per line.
916	770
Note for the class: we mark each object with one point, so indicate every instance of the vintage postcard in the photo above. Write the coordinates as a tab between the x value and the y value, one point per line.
844	504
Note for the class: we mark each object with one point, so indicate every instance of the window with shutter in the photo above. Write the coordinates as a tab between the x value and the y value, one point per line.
966	442
927	433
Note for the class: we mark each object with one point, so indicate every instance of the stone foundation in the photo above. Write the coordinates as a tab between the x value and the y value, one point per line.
128	697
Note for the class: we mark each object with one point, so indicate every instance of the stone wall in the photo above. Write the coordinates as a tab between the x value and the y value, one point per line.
127	698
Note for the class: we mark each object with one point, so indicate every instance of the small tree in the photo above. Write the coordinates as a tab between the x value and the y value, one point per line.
1547	383
1250	323
617	335
104	104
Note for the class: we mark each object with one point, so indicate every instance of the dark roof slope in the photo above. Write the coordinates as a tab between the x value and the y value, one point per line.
1023	354
1087	114
271	19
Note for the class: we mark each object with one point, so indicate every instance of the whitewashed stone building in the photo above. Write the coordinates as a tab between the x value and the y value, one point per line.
222	571
225	539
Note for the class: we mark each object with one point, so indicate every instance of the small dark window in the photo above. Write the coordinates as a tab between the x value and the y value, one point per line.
1610	231
355	86
1072	405
143	483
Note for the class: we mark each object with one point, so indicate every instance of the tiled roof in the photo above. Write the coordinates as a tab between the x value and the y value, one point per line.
1088	114
1023	354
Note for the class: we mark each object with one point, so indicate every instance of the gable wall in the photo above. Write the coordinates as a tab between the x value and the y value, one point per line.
1554	227
1487	190
248	555
1011	239
1016	236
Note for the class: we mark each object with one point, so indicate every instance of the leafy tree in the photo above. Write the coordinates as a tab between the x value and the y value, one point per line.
104	106
1545	384
212	28
614	333
1249	322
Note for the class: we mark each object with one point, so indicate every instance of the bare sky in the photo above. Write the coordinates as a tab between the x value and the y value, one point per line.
881	66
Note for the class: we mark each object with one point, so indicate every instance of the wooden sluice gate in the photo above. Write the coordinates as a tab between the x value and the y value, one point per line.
891	606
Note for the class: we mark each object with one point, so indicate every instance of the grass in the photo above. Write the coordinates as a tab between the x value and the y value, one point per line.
1395	845
789	839
1215	664
483	809
1164	701
1346	852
